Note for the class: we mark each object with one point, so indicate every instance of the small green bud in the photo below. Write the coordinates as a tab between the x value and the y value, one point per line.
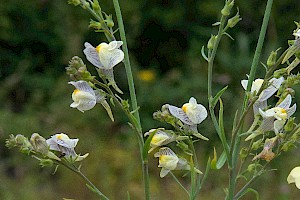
243	153
289	125
227	8
109	21
257	144
74	2
78	71
95	25
96	6
272	59
211	42
39	144
46	163
234	20
280	72
288	145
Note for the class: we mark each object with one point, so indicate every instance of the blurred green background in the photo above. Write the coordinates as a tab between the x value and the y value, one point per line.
39	37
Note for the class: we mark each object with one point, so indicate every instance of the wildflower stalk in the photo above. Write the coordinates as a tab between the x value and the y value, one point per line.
212	55
132	96
177	181
235	144
89	184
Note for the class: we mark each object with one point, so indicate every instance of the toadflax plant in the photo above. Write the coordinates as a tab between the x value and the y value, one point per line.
247	151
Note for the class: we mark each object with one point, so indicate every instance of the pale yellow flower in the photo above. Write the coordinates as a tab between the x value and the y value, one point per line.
190	113
104	56
294	177
62	143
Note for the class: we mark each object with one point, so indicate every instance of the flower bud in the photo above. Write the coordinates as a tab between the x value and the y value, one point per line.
46	162
280	72
95	25
74	2
211	42
39	144
227	8
96	6
109	21
272	59
257	144
234	20
77	70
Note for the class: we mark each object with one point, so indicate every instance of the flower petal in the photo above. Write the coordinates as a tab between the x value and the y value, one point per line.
114	45
285	104
291	110
92	55
180	114
82	86
110	58
274	86
163	172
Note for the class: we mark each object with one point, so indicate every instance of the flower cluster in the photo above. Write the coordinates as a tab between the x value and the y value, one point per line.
47	151
185	121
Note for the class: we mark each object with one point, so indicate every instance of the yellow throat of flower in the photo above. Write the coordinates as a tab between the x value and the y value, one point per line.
76	91
184	108
98	48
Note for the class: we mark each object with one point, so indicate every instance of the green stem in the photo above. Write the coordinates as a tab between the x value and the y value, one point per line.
209	83
126	61
132	96
235	146
177	181
77	171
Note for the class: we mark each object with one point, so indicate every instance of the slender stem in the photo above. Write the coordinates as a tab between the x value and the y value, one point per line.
77	171
177	181
127	62
235	145
133	96
212	55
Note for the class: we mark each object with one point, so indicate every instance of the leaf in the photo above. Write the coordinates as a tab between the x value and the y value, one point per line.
215	100
147	145
225	33
128	195
218	163
213	163
221	161
216	24
248	190
203	54
198	135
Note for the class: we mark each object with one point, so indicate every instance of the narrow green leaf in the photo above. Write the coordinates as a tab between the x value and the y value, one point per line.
147	145
128	195
249	190
213	163
216	24
203	54
200	136
225	33
215	100
221	161
221	120
91	188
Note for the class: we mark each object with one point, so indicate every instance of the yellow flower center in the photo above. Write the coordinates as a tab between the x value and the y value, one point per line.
98	48
184	108
59	136
76	91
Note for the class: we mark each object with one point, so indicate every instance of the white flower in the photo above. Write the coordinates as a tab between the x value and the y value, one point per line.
261	102
162	137
104	56
168	161
275	118
84	96
266	93
62	143
294	177
297	34
190	113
